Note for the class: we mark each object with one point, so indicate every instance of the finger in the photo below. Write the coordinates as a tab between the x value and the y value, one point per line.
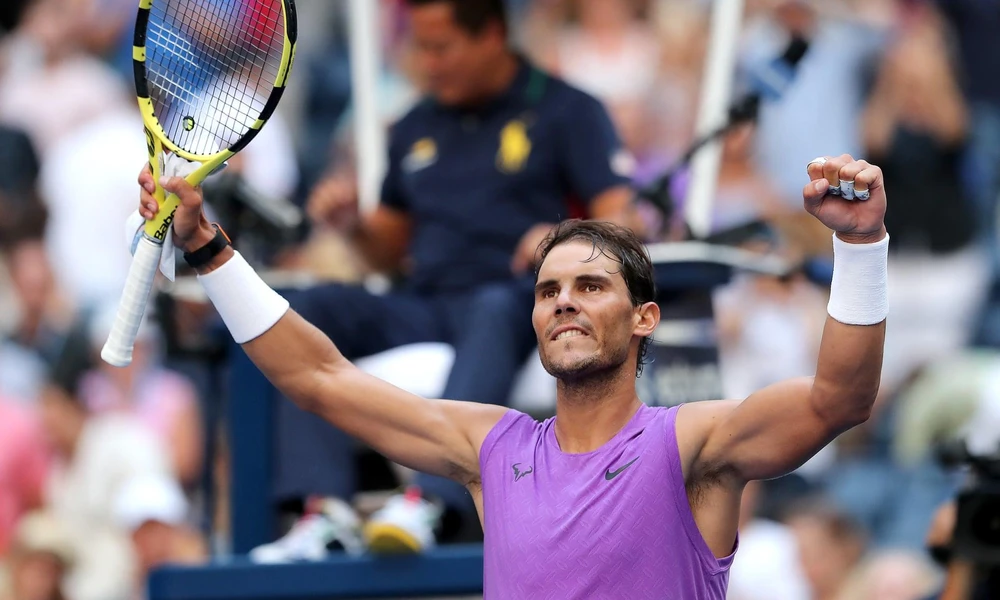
148	202
814	191
870	178
146	180
187	194
815	167
848	174
831	172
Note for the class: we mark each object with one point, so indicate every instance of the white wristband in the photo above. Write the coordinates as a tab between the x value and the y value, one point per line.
247	305
859	293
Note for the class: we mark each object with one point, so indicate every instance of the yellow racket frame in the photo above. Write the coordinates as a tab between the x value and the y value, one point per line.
156	138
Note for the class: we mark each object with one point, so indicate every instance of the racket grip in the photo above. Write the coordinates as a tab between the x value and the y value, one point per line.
117	350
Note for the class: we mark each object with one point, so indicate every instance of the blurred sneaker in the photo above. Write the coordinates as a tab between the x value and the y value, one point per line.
330	525
404	525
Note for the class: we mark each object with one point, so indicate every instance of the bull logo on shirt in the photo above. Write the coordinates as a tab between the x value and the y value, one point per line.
515	147
519	473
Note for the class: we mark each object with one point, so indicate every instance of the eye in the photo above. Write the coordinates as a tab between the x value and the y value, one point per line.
592	287
549	293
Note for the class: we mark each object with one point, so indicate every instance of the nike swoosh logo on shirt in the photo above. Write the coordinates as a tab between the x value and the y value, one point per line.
609	475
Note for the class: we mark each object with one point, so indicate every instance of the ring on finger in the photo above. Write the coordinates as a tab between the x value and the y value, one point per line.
816	161
862	194
847	190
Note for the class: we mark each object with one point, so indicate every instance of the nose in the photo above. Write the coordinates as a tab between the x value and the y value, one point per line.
566	303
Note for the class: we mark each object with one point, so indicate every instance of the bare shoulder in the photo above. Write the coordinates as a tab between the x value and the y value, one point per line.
696	421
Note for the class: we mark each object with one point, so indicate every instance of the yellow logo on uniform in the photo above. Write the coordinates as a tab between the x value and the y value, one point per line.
422	154
515	147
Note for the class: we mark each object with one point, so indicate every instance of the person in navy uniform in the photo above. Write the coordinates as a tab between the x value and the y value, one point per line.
478	171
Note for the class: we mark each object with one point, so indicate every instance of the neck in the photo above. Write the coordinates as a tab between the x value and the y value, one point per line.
499	79
592	409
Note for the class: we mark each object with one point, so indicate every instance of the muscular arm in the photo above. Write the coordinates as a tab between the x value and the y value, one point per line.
435	436
778	428
726	444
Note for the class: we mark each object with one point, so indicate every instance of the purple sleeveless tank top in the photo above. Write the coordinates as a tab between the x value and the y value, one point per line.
612	523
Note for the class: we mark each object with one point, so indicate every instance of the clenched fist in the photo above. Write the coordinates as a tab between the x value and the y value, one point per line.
834	196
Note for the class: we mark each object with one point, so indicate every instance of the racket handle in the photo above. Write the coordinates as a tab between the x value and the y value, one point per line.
117	350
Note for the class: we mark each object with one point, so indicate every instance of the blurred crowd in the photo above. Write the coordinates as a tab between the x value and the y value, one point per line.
104	471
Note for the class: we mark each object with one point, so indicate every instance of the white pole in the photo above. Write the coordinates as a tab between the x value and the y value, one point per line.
720	67
369	135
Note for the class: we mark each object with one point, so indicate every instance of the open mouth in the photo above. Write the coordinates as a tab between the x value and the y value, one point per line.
569	333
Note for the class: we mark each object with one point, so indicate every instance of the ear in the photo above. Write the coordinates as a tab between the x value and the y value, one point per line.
647	317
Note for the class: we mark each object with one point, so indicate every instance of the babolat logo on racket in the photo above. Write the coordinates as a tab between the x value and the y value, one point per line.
161	233
188	123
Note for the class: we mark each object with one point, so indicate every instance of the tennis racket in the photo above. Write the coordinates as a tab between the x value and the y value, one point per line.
208	75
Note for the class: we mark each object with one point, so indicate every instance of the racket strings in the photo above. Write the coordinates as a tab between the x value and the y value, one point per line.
211	66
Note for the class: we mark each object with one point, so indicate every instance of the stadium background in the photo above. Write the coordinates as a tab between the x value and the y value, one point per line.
908	84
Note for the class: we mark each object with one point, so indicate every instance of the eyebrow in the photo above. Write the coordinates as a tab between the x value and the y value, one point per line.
588	278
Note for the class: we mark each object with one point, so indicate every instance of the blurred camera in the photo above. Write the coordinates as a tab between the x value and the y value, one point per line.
977	526
260	225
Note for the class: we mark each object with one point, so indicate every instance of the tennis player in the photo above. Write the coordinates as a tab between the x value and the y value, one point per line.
610	498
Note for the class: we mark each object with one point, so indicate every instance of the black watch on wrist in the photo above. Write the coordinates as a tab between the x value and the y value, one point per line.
202	256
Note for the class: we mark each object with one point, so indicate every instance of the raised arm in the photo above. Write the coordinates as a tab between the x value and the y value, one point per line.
778	428
434	436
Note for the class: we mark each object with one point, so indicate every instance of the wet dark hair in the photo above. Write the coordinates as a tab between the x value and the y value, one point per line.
471	15
619	244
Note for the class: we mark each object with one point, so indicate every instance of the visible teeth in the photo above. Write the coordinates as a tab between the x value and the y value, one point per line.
568	334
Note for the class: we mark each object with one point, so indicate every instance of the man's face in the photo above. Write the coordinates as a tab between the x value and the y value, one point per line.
583	316
452	61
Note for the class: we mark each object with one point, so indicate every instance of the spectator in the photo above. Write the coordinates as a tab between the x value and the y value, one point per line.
23	467
916	117
840	49
40	314
41	557
916	112
767	566
830	545
154	511
892	575
477	172
96	457
608	51
47	86
975	23
162	400
91	216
